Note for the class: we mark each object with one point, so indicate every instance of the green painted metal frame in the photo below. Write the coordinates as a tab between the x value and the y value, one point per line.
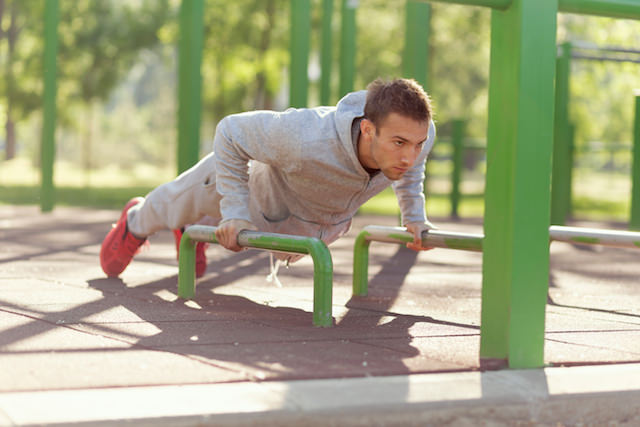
326	52
634	221
457	143
517	196
625	9
416	42
347	46
48	148
561	172
322	263
189	82
399	235
472	242
299	51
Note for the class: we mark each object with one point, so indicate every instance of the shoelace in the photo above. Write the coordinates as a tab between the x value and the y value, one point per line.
273	270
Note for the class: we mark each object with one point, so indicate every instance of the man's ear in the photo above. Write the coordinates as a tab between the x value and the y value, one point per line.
367	128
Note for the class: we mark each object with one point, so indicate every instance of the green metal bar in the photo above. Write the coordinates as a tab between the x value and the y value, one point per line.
47	153
361	263
634	222
322	263
400	235
625	9
561	173
472	242
457	141
187	266
416	41
299	45
347	46
495	4
189	83
517	196
326	52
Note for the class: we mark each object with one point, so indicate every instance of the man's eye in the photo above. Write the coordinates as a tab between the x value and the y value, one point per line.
399	143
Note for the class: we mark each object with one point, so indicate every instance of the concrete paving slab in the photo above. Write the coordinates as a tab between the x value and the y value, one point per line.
553	396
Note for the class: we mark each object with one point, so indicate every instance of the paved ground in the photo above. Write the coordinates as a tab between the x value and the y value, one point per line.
245	351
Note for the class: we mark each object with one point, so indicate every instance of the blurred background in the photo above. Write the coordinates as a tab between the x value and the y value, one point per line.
117	93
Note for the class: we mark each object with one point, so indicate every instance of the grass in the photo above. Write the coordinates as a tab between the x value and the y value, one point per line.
596	197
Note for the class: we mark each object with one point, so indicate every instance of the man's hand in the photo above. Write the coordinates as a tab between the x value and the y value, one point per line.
227	233
416	228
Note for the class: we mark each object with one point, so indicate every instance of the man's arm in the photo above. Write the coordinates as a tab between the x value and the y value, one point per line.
264	136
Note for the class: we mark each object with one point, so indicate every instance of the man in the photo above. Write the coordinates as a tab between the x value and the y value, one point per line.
301	171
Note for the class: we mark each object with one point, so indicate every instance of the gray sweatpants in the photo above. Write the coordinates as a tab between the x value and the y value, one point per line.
189	199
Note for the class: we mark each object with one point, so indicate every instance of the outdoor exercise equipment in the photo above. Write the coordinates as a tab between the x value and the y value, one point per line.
322	263
563	129
471	242
517	189
634	221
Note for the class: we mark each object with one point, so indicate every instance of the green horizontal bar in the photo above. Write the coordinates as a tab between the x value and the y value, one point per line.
624	9
494	4
587	240
322	263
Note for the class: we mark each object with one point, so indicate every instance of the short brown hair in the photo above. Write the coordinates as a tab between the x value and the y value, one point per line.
402	96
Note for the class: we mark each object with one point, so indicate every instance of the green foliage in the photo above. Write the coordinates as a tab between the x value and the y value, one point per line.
99	43
602	91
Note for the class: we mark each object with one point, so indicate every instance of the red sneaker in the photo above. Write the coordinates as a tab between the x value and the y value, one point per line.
201	256
119	246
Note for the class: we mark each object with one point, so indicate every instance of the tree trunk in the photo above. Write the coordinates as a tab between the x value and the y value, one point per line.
87	143
12	35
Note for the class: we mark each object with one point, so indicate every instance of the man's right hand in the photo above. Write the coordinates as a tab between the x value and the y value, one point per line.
227	233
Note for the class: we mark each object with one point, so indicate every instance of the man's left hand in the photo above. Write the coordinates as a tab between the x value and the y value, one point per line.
416	228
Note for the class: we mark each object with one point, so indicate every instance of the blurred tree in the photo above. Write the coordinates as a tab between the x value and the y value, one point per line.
245	55
22	64
99	43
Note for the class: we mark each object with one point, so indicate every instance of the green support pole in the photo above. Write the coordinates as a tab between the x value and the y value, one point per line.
634	223
47	153
561	173
457	141
416	41
517	199
189	83
300	36
572	153
326	54
347	46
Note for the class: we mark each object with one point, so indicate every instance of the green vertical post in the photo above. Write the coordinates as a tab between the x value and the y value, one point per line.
347	46
416	41
561	173
634	223
189	83
326	52
572	152
299	46
517	199
457	142
47	153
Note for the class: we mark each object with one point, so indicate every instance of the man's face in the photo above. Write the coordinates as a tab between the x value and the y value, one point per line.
396	144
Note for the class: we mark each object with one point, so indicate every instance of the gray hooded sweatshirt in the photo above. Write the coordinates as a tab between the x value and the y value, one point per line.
297	171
